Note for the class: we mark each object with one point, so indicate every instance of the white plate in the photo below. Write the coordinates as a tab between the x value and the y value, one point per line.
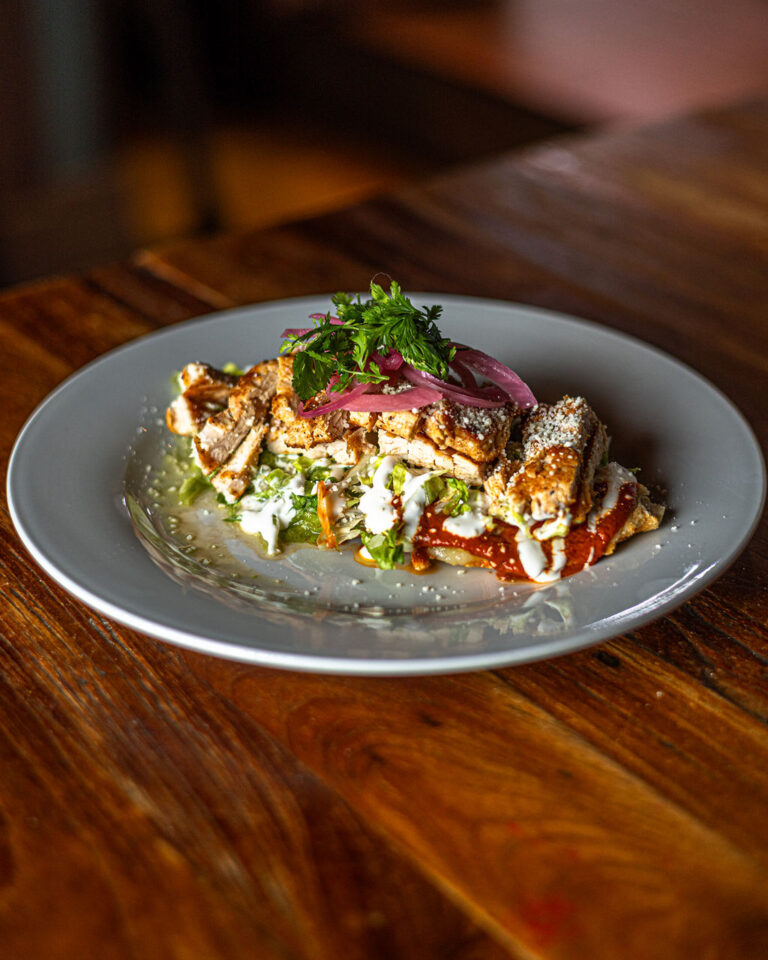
96	436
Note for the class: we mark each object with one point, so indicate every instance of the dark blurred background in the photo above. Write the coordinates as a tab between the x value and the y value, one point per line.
133	122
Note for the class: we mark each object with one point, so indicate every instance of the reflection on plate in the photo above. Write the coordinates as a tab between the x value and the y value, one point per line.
102	529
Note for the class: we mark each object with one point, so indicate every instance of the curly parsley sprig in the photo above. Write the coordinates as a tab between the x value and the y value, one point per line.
387	321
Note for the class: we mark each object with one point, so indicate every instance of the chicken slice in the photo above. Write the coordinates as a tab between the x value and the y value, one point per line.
348	450
304	432
236	474
204	390
400	423
562	446
422	452
247	406
645	515
480	433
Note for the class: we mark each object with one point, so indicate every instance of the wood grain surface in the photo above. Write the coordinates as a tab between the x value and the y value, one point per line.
613	803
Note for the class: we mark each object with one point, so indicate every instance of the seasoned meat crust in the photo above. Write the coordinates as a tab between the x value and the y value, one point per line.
562	446
477	432
247	406
549	472
227	417
205	390
422	452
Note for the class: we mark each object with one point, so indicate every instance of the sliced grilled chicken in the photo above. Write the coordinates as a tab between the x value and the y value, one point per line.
477	432
400	423
347	450
293	431
236	474
422	452
645	515
562	446
204	391
304	432
247	406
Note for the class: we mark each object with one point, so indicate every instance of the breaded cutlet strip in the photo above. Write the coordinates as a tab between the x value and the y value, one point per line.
398	423
562	446
247	407
480	433
477	433
420	451
234	477
297	432
204	391
348	450
303	432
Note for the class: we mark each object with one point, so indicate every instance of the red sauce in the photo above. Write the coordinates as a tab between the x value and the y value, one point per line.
583	546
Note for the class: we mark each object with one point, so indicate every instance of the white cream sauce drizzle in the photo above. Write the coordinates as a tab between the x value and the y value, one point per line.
557	526
377	507
559	559
617	477
376	503
413	498
532	557
269	517
469	524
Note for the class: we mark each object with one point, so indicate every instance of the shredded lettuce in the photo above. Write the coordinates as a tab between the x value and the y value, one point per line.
384	548
268	485
434	488
267	459
192	487
459	500
305	526
398	477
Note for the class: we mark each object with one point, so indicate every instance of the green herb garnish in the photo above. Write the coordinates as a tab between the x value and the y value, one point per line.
433	488
388	321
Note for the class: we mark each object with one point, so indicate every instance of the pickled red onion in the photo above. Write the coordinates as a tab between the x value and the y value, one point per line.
388	362
465	374
479	397
497	373
338	402
359	400
392	402
291	332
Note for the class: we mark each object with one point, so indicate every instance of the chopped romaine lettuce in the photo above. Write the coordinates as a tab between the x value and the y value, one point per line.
459	499
305	526
434	488
384	548
267	459
192	487
398	477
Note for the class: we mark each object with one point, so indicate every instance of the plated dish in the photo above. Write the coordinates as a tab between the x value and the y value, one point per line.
371	429
216	595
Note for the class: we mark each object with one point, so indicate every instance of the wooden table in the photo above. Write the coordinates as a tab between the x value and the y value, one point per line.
613	803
